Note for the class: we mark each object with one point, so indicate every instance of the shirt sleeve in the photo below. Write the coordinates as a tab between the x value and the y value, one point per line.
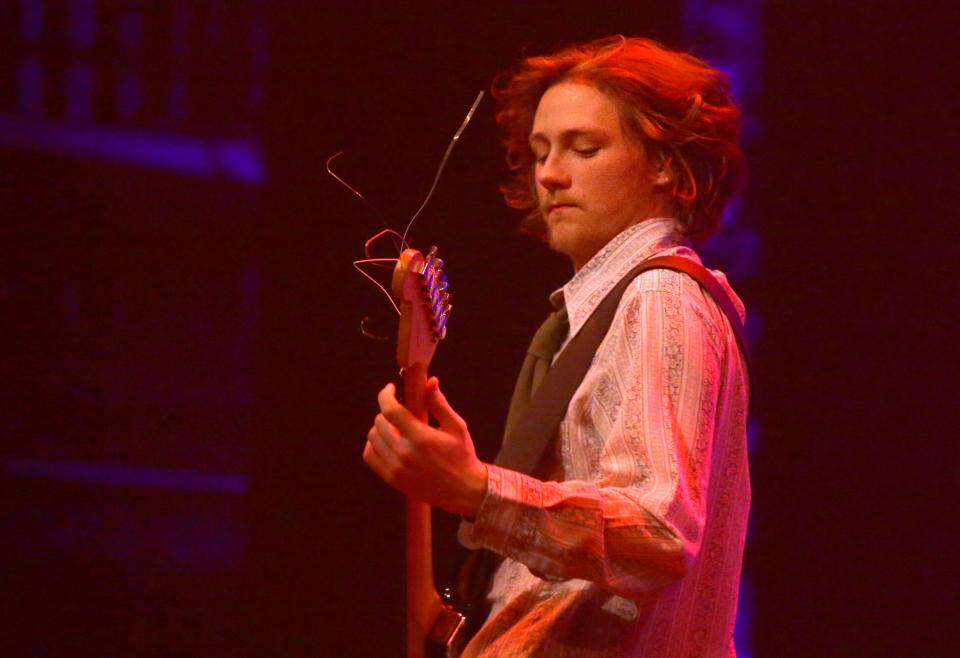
636	445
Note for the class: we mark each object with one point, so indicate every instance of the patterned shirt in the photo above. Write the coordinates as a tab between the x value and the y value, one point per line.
633	546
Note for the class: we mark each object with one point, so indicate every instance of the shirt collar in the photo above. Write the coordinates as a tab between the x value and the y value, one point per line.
634	244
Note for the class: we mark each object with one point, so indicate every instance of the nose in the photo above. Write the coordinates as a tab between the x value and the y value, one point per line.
551	175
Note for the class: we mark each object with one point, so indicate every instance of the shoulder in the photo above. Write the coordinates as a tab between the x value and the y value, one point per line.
681	289
670	309
662	287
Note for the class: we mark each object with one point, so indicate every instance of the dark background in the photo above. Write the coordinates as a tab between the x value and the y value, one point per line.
155	319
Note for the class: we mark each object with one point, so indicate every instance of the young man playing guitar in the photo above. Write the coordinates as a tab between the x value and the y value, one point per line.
624	535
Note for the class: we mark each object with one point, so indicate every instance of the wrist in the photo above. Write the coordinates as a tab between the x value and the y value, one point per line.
476	491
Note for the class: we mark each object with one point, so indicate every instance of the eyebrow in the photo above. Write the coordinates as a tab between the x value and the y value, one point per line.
571	134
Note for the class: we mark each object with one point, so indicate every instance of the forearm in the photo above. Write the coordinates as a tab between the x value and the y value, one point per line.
564	530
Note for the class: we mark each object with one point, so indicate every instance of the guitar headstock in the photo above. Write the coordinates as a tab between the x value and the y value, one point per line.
420	286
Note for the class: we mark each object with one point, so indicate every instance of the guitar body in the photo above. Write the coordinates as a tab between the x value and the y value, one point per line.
421	291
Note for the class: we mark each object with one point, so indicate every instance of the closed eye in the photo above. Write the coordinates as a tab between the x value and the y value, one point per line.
588	152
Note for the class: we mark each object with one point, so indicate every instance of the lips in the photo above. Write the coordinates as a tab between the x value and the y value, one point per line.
558	206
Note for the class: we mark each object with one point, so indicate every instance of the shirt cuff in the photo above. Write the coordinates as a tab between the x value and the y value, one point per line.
506	520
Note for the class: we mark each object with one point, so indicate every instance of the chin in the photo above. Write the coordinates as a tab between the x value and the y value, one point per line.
561	243
555	237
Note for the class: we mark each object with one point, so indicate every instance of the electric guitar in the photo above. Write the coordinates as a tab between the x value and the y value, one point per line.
420	287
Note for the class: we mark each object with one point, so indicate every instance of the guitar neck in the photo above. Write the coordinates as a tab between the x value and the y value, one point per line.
423	603
420	287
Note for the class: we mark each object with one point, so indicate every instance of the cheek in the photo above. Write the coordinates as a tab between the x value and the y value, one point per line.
598	184
615	186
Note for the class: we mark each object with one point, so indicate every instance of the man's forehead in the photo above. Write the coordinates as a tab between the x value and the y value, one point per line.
572	109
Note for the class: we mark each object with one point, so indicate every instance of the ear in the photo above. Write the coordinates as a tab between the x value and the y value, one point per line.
663	176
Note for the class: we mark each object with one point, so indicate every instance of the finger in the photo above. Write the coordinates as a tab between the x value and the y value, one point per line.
396	413
440	409
370	456
381	459
401	447
387	396
376	462
382	439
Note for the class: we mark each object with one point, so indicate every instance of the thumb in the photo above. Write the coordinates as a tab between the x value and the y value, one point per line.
439	408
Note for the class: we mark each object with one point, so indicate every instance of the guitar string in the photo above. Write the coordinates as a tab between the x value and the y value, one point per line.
369	205
433	185
376	262
369	243
372	261
382	262
443	164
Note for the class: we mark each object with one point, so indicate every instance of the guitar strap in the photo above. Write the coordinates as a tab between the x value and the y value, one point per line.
524	448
